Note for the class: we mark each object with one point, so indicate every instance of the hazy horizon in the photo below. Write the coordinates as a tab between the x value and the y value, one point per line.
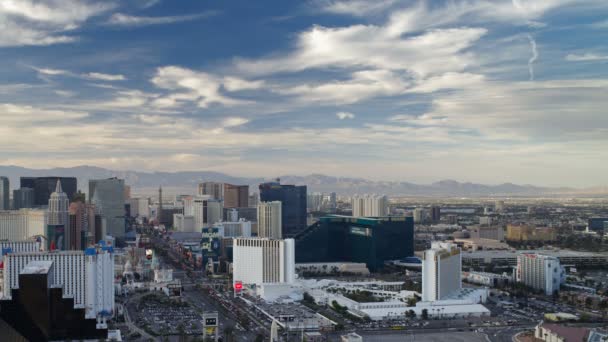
272	177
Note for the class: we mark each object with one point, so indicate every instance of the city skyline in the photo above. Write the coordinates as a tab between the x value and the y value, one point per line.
482	91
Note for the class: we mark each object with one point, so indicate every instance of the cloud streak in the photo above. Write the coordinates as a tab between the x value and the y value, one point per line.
533	58
125	20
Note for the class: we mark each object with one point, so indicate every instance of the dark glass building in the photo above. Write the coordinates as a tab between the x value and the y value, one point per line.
598	224
45	186
356	239
293	207
38	311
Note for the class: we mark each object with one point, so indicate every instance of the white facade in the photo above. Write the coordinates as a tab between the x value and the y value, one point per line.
270	220
206	211
369	206
87	276
541	272
240	228
441	271
486	278
140	207
418	215
258	261
18	225
163	275
184	223
20	247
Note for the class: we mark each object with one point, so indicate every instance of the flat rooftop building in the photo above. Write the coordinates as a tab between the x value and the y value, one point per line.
566	257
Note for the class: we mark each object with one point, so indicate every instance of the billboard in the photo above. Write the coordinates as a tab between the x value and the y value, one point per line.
55	237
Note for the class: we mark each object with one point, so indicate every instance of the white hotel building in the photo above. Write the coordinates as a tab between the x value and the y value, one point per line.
87	276
541	272
270	219
259	261
441	271
369	206
19	225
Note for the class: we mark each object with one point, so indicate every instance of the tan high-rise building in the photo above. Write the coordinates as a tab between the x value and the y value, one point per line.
213	189
269	220
82	225
236	196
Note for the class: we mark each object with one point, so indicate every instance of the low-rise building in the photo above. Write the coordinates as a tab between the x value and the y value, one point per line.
527	233
550	332
486	278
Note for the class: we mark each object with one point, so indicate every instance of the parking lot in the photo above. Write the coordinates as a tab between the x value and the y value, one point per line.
159	316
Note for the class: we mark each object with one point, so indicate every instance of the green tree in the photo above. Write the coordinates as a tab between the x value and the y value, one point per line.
411	302
424	314
259	338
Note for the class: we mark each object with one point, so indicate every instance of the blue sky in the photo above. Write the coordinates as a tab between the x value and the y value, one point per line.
478	90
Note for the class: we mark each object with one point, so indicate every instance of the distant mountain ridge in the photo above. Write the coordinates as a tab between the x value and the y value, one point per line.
315	182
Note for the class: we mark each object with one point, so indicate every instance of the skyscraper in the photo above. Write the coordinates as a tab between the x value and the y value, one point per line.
540	272
260	261
435	213
44	187
293	205
369	206
4	194
206	211
236	196
269	220
82	225
58	232
159	212
23	198
108	196
441	271
213	189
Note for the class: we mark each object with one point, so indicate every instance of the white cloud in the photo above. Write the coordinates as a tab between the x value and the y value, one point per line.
600	24
120	19
450	80
90	75
361	86
27	22
104	77
200	87
236	84
33	116
534	56
345	115
234	121
586	57
51	72
435	51
354	7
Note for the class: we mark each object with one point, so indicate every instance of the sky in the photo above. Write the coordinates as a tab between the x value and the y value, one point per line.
485	91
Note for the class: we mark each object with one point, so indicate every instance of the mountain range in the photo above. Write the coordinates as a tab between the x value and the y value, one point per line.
315	183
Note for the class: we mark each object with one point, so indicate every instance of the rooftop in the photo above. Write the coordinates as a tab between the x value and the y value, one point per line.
37	267
549	252
566	332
